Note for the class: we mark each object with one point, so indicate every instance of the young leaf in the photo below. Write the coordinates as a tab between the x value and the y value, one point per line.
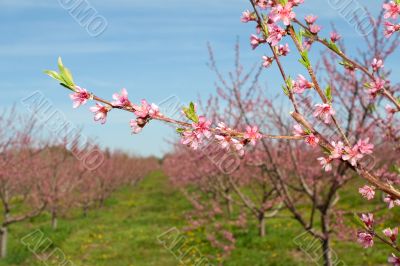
285	90
53	74
329	93
191	112
304	59
180	130
357	221
333	46
65	74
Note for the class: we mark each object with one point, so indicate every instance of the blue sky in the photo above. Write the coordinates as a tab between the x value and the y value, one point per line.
156	49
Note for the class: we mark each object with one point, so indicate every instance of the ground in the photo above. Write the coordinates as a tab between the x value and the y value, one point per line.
125	233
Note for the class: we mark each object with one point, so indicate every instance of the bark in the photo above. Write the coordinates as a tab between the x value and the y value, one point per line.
85	210
54	221
261	224
3	241
326	248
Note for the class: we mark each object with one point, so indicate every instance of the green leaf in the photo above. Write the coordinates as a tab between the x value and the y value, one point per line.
304	59
333	46
53	74
371	107
328	93
180	130
346	64
357	221
299	36
191	112
65	74
285	90
367	85
289	83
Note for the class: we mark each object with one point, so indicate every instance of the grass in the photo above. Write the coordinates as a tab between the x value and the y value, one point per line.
125	231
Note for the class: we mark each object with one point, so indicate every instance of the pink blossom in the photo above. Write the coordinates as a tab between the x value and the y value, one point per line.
367	192
364	146
191	138
283	50
239	147
154	111
352	155
267	61
252	134
121	99
314	28
136	128
247	16
312	140
255	41
276	34
100	112
79	97
326	163
296	2
390	28
392	234
301	84
224	141
391	202
307	44
202	127
284	13
264	4
222	127
143	111
298	131
376	87
335	36
337	150
310	19
325	112
368	220
392	10
394	260
390	110
377	64
365	239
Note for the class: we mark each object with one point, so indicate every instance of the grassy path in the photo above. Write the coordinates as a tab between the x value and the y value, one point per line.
123	233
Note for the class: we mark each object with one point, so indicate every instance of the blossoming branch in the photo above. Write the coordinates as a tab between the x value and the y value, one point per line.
192	133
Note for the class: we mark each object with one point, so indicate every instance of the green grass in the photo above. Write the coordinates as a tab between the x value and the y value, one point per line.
124	233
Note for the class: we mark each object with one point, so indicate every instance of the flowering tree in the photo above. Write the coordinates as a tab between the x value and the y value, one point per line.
19	168
338	125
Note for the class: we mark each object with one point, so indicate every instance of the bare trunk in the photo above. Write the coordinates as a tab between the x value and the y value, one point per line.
85	210
261	224
326	247
3	241
54	221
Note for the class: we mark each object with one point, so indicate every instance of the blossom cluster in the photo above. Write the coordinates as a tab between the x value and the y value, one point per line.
143	113
366	237
392	11
339	150
193	134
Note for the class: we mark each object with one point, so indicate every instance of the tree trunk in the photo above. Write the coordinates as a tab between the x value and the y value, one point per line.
3	241
54	221
85	210
261	224
326	247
